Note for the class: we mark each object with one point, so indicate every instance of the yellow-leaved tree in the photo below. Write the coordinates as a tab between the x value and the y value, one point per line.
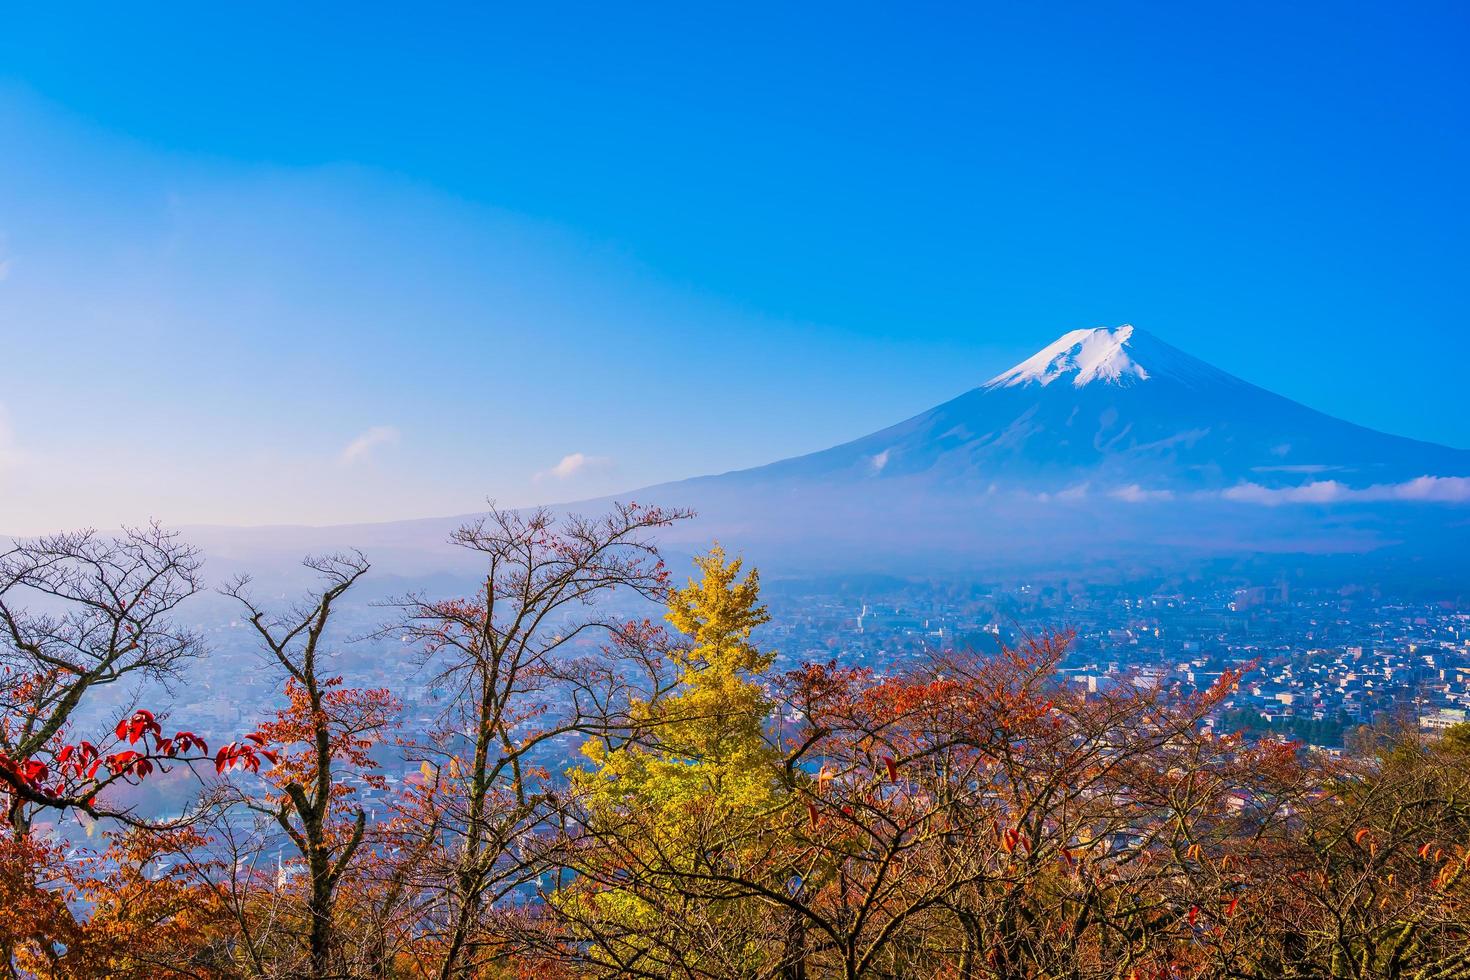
678	818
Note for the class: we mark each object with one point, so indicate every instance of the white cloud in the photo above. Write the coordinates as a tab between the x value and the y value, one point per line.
879	461
574	464
1071	494
1135	494
1316	492
1439	489
361	448
1431	489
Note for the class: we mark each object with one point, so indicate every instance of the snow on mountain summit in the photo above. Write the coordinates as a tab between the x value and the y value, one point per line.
1085	356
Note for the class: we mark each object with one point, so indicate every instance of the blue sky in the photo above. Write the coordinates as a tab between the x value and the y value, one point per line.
271	265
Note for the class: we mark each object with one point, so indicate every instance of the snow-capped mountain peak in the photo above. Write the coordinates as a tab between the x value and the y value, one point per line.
1083	356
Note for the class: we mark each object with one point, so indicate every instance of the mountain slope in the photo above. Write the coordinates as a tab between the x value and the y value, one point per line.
1121	407
1106	443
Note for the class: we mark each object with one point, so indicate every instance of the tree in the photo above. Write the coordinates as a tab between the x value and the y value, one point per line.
326	732
695	785
514	660
80	611
152	911
974	817
1373	879
971	817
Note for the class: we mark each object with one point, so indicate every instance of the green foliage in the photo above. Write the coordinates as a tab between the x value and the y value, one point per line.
705	745
1456	740
699	784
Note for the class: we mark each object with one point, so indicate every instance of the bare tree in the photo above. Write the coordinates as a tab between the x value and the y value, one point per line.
513	660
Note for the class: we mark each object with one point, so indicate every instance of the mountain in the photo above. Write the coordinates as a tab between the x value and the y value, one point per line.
1115	409
1107	447
1107	443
